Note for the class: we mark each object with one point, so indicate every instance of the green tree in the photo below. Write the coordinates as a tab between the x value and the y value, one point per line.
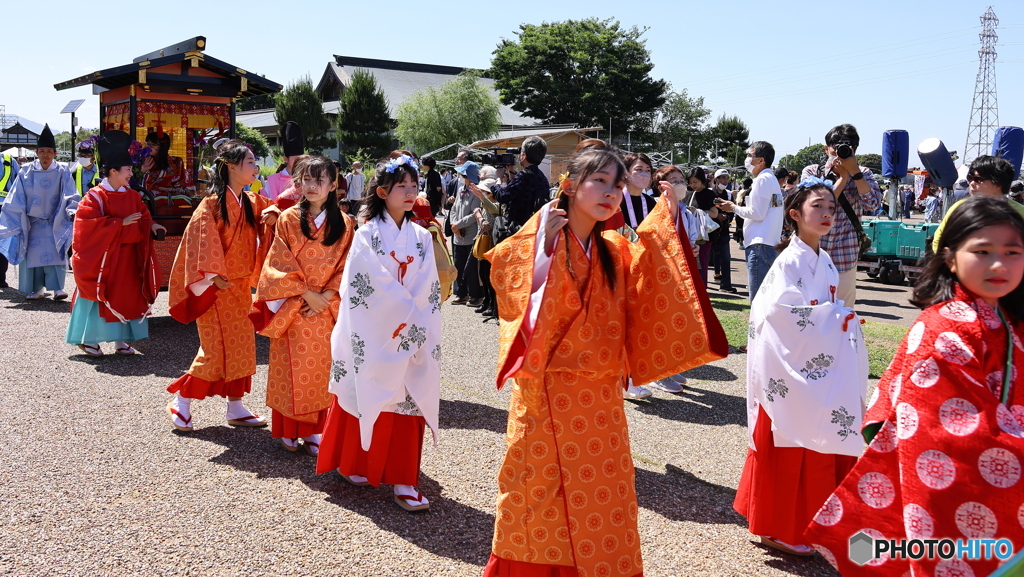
460	110
254	138
301	104
806	156
364	123
872	161
577	71
730	140
680	121
258	102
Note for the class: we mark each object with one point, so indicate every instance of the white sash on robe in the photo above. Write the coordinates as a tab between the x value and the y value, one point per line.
807	362
386	345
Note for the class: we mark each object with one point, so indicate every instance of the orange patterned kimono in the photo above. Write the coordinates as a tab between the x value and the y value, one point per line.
566	498
227	344
300	346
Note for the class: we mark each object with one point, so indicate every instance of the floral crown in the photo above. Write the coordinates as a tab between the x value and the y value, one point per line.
405	159
809	181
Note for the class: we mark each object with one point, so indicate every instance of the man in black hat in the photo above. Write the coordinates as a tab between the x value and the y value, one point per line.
35	225
293	146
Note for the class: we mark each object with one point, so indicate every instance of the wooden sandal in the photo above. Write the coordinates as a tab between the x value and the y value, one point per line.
92	350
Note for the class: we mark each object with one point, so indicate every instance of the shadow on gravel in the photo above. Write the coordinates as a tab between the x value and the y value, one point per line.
682	496
697	406
16	300
450	529
879	288
470	416
168	353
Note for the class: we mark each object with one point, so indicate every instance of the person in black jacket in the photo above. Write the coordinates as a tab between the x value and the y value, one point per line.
529	189
433	188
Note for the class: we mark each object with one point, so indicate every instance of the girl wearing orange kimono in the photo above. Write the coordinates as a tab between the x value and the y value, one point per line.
297	305
217	263
580	309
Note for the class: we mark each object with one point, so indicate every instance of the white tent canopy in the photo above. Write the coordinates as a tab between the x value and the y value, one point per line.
17	151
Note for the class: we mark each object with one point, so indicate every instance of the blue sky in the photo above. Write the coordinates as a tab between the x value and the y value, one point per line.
790	70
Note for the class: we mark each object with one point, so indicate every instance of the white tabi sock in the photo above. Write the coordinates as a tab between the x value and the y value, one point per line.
411	492
182	405
236	410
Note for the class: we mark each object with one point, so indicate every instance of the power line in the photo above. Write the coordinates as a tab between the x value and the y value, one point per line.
985	105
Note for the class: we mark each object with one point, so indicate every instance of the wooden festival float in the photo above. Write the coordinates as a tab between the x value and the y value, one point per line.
182	92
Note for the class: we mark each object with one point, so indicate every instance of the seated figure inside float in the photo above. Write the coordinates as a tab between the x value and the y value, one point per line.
164	175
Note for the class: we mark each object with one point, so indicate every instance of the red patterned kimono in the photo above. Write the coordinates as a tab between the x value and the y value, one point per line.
174	176
566	497
210	247
300	346
114	264
947	443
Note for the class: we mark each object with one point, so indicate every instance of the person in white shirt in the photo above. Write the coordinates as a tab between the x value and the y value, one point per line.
356	180
762	215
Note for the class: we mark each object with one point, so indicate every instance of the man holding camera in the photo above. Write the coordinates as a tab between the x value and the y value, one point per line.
528	189
857	185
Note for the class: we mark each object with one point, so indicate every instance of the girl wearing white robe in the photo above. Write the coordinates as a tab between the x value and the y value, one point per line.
386	345
806	380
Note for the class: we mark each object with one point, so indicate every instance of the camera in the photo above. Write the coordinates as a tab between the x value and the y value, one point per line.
507	158
843	149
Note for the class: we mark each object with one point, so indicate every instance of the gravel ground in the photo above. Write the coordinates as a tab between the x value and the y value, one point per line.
96	482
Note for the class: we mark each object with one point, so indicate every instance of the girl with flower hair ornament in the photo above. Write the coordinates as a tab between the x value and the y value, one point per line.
945	426
567	290
807	369
386	345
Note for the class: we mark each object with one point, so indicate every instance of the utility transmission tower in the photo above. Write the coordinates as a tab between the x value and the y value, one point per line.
985	108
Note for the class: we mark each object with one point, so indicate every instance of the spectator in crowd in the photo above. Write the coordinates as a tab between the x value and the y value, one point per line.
704	200
341	183
721	254
933	206
988	176
961	190
762	215
1017	192
740	199
434	187
529	189
782	175
908	201
356	181
464	231
858	187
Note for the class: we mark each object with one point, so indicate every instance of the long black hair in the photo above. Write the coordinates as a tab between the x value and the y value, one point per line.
230	152
935	285
377	206
582	165
161	159
795	201
315	167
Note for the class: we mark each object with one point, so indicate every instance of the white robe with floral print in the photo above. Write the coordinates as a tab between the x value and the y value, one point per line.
386	345
807	362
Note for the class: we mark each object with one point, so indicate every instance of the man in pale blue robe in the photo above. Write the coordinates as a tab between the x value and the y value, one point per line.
35	225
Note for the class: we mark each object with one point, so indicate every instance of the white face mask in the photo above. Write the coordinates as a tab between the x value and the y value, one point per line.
749	165
641	180
831	161
721	186
85	161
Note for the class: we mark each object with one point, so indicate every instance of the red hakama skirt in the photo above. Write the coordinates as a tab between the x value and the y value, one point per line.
782	488
195	388
498	567
288	428
395	449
